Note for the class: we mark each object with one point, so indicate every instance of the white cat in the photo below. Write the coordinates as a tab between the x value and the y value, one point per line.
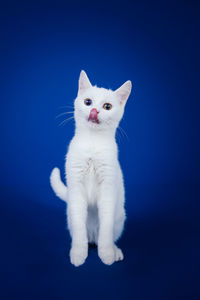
95	189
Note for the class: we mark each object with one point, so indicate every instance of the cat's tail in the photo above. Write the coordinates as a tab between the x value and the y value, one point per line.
57	185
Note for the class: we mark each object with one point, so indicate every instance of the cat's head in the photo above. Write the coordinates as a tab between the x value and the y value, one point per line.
100	108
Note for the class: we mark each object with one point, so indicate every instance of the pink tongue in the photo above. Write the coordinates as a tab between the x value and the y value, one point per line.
93	116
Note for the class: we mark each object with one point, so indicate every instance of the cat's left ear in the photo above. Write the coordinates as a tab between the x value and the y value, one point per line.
123	92
84	82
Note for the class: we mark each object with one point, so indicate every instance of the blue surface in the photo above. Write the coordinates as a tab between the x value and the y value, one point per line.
44	45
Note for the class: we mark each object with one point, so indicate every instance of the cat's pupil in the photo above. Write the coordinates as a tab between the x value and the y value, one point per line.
107	106
88	102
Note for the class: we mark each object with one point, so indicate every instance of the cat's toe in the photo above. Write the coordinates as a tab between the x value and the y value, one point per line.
107	255
118	254
78	255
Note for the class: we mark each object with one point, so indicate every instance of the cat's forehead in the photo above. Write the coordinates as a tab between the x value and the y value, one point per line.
98	94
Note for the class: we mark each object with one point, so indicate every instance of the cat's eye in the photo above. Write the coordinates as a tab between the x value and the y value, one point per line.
107	106
88	102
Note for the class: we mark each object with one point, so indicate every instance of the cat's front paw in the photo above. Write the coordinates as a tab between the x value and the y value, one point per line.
78	255
107	254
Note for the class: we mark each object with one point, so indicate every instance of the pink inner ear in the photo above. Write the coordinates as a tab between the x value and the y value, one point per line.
123	96
124	91
82	86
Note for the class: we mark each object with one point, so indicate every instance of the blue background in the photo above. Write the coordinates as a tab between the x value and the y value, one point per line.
44	46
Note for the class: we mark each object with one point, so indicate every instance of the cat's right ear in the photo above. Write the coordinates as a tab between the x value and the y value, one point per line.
84	82
124	91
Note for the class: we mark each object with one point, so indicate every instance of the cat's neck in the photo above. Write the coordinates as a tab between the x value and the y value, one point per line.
97	133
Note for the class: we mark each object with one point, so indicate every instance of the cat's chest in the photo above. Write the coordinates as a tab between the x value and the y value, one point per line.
90	181
90	161
89	168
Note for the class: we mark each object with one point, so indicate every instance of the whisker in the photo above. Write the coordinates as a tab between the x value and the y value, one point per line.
120	133
118	137
64	113
65	121
123	132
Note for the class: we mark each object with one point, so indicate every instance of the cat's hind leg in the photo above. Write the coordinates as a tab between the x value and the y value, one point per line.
118	254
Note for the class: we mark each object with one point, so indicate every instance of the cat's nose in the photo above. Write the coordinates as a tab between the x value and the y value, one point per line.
93	116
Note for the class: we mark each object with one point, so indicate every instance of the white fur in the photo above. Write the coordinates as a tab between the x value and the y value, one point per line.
95	189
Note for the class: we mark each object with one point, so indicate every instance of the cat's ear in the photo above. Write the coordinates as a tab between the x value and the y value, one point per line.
84	82
123	92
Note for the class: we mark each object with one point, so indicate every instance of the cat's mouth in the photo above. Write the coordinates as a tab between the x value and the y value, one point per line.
93	116
93	121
